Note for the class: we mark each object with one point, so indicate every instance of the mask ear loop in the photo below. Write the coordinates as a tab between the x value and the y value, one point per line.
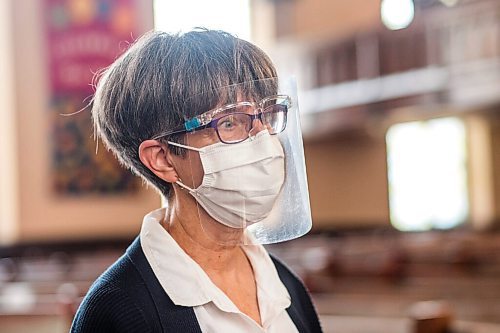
179	182
183	146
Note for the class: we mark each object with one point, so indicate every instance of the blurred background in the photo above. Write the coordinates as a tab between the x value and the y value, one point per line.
400	110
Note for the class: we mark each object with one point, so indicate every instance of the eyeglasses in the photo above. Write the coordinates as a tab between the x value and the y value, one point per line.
234	122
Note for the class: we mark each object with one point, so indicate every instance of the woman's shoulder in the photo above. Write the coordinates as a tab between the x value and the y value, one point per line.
112	302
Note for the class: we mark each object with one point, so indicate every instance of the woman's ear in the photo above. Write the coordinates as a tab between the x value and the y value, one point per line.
157	158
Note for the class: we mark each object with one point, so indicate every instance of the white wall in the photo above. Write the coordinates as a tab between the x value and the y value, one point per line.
9	209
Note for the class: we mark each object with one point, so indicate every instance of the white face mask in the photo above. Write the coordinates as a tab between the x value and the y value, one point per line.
242	181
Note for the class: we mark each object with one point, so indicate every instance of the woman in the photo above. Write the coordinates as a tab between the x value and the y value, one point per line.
203	119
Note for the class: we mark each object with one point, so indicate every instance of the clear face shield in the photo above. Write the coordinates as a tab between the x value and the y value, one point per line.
243	164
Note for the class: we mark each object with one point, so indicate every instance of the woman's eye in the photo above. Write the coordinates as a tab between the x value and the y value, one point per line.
227	124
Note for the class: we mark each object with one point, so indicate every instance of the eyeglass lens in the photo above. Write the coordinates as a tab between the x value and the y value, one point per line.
234	127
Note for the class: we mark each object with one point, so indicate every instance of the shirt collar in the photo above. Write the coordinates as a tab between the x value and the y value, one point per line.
272	295
177	273
180	275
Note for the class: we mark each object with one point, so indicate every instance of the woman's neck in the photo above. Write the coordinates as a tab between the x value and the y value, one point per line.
184	223
225	264
211	257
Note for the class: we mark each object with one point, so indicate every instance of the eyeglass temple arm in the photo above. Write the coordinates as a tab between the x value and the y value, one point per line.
188	126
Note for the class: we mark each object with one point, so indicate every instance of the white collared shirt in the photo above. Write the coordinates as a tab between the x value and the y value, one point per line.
187	284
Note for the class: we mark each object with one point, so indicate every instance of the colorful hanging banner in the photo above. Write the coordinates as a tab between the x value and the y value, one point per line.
83	37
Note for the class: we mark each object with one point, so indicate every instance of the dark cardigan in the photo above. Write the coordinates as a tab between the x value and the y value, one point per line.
129	298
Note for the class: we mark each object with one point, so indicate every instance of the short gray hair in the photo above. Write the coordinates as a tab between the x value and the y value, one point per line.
149	89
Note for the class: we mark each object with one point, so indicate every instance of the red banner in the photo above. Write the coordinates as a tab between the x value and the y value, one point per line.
84	36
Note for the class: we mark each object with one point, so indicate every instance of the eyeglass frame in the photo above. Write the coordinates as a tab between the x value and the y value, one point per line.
207	119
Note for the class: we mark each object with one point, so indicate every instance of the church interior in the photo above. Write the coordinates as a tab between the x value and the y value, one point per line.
400	115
